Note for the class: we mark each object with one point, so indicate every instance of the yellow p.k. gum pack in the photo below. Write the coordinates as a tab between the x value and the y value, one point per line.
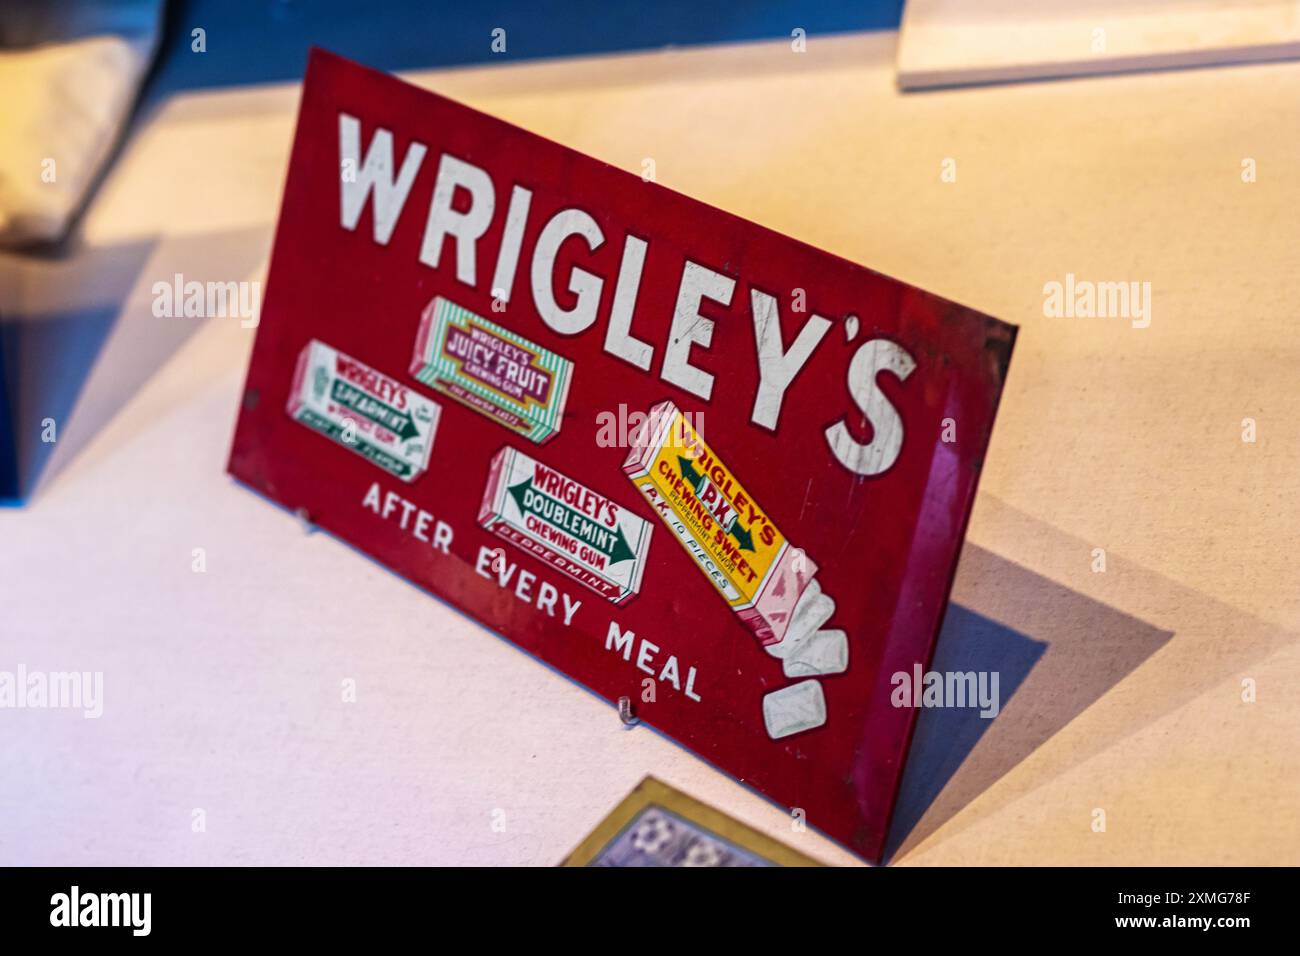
732	540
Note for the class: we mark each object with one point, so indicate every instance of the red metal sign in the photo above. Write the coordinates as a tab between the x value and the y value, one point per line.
683	458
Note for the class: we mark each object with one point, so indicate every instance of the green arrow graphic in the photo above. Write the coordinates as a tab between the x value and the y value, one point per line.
405	427
400	423
621	550
742	536
689	474
574	522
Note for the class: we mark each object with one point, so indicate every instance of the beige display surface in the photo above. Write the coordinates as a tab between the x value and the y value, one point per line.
223	690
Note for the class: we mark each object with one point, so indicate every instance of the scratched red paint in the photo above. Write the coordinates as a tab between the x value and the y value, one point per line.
821	461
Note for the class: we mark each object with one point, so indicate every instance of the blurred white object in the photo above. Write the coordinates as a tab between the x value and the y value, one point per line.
70	72
965	42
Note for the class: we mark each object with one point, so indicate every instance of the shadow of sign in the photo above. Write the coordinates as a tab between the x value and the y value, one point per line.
1066	652
81	336
58	307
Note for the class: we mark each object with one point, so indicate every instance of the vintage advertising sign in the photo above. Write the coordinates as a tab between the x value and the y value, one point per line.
682	458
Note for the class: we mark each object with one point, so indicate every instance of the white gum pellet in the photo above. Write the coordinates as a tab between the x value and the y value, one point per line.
794	709
825	652
812	610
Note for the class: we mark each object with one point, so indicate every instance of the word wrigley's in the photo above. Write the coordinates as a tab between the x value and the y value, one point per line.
467	202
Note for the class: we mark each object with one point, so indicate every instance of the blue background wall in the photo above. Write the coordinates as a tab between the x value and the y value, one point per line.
260	41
